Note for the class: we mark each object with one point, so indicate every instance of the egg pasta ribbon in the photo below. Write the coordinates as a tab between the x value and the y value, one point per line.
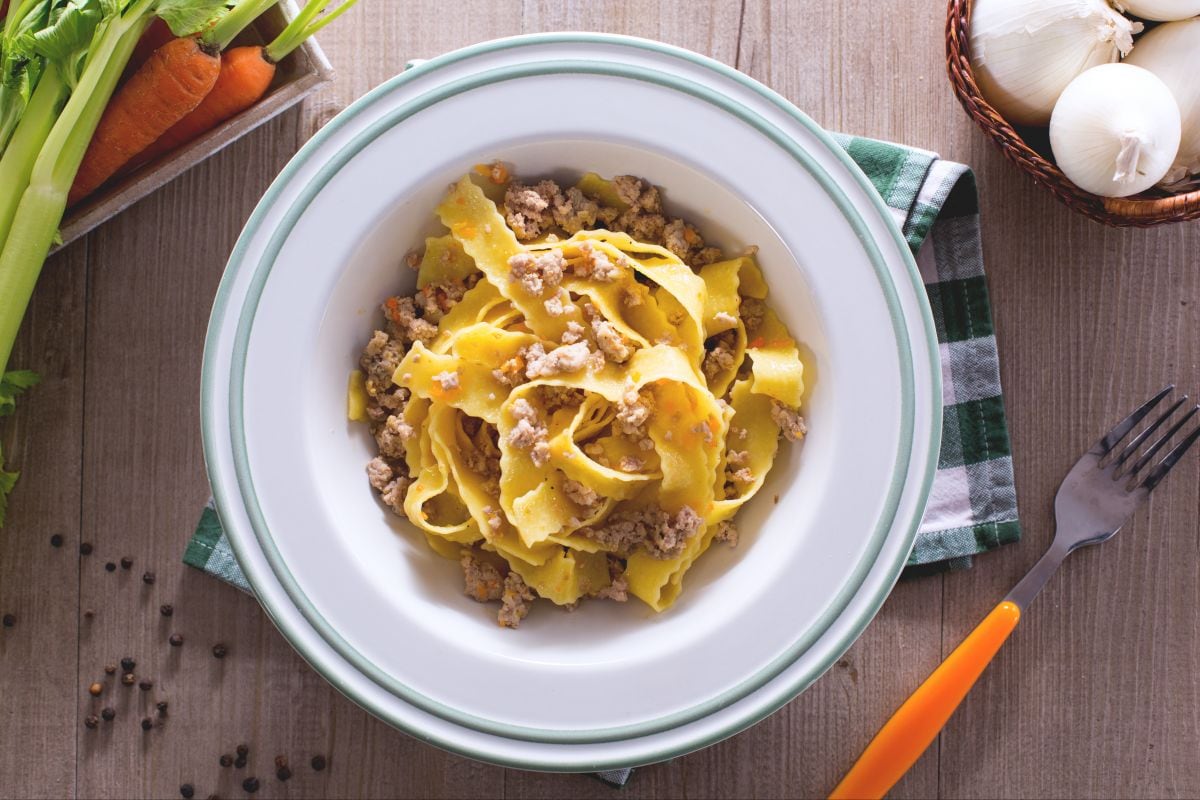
599	422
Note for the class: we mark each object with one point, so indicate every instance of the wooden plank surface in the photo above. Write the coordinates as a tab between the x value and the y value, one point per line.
1097	694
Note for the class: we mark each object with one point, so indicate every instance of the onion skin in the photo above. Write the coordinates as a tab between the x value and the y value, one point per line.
1025	52
1161	10
1172	52
1115	119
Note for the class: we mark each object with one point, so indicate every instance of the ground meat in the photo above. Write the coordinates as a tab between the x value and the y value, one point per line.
404	324
638	194
633	295
535	274
595	264
527	209
609	340
580	493
574	333
413	259
559	304
436	299
530	432
394	493
725	318
630	463
494	519
727	532
743	475
752	311
738	433
790	423
681	238
633	412
660	533
573	211
481	581
484	464
379	360
556	397
515	601
447	380
706	256
391	482
722	356
618	587
641	226
391	437
560	360
672	535
379	473
511	372
737	458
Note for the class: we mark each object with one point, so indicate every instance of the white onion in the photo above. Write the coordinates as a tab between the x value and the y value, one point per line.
1162	10
1172	52
1025	52
1115	130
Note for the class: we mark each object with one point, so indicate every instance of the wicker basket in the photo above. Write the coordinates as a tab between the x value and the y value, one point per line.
1149	208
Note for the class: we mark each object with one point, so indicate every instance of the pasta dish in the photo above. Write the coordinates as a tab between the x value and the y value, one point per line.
579	396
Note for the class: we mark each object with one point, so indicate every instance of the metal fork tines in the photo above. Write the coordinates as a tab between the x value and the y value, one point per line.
1110	481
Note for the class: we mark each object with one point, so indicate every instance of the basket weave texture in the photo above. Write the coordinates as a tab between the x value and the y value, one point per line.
1144	210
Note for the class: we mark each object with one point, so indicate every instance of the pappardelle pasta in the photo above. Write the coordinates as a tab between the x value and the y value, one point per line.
580	395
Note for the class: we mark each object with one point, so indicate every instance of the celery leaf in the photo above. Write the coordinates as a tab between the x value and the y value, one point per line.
11	385
187	17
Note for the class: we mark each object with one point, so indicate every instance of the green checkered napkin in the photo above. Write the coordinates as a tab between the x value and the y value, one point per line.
973	504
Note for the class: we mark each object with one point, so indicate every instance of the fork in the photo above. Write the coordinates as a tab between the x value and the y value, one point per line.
1097	497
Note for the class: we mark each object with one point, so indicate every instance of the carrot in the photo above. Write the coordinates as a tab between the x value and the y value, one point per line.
158	34
167	87
172	82
246	75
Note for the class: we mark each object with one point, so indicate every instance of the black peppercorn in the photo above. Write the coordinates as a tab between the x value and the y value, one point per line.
239	762
250	785
242	750
127	664
187	791
161	705
176	640
128	679
318	763
9	620
146	686
85	548
166	609
280	762
148	578
56	540
108	714
88	614
110	567
147	723
220	650
283	773
110	669
126	562
226	760
91	721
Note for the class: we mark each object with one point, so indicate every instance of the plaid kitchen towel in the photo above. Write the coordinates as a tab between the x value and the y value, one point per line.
973	504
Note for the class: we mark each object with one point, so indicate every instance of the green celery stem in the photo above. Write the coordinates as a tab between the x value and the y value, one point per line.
16	165
44	201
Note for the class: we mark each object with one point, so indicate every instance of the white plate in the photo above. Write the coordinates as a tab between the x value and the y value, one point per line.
358	592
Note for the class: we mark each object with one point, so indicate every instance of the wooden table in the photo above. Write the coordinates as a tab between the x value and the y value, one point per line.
1097	694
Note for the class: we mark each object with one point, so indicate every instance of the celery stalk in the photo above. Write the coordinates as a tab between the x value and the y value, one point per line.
44	200
16	165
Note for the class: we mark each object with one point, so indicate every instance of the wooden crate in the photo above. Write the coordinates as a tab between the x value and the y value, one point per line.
297	76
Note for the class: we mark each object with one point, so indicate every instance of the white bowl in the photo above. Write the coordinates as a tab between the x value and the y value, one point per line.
358	592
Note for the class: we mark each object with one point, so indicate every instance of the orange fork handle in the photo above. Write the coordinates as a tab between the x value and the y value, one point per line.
917	723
